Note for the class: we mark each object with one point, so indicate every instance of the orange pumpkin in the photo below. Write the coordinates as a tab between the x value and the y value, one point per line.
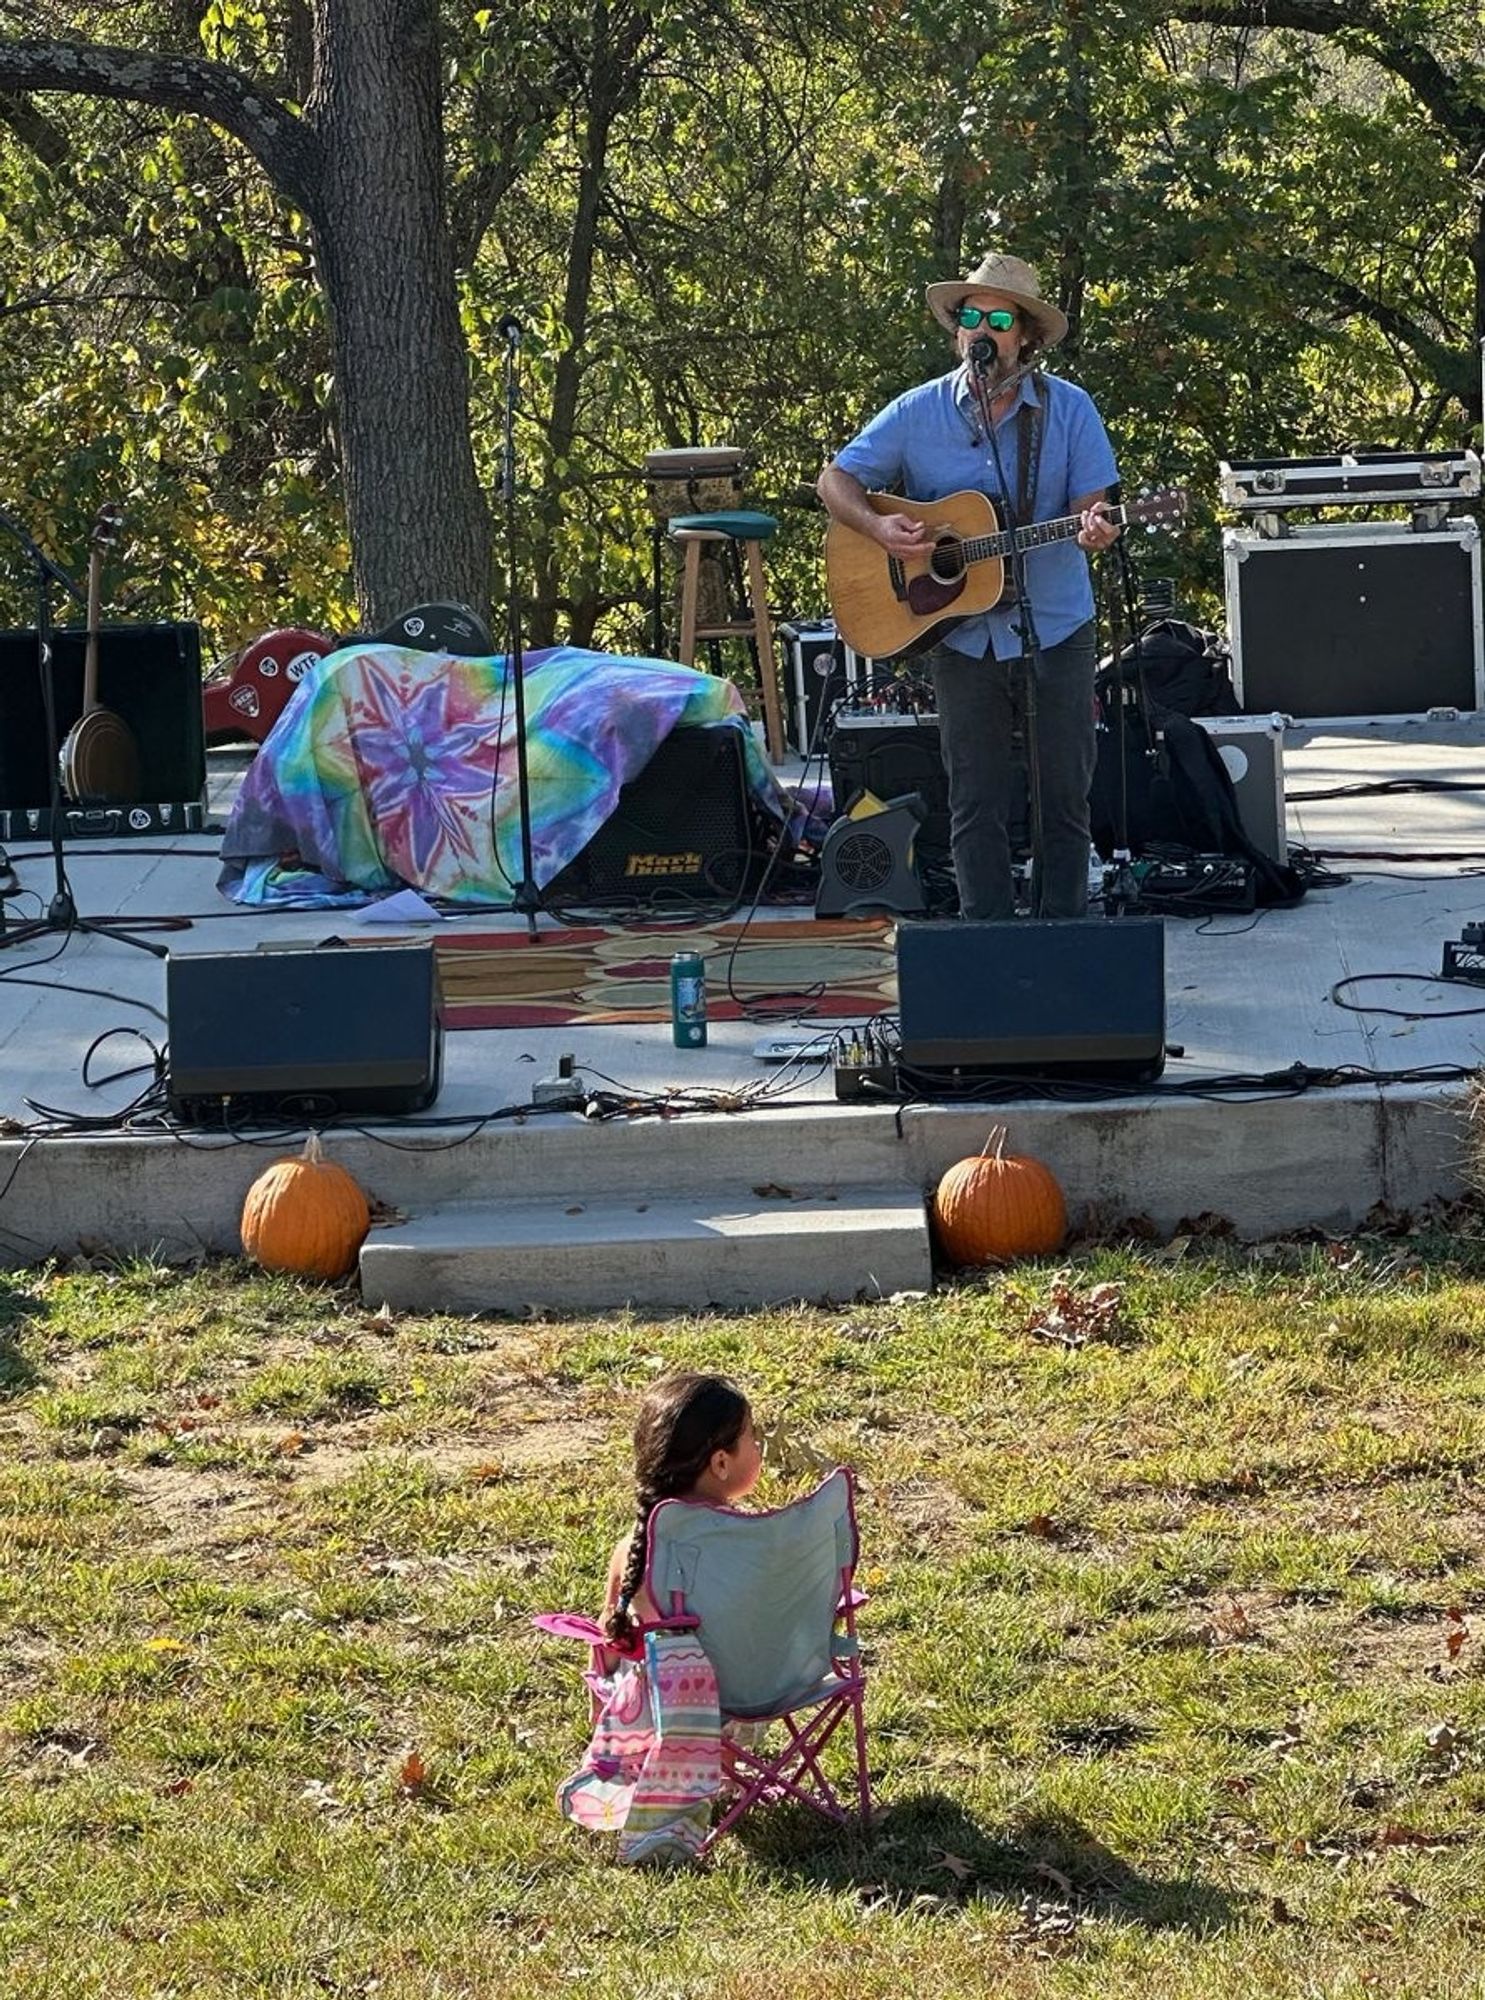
305	1215
998	1205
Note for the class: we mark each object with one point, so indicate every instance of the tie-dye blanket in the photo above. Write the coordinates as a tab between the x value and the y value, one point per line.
394	769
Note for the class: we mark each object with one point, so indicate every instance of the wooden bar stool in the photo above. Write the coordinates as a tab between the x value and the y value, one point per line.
741	535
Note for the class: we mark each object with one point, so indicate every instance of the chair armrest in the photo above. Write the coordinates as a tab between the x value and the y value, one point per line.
570	1625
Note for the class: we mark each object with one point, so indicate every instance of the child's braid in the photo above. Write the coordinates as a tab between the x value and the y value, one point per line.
621	1625
682	1421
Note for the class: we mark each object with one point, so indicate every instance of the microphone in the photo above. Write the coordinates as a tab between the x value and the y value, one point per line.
984	355
509	328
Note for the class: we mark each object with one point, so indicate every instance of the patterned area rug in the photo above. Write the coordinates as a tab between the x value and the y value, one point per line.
827	970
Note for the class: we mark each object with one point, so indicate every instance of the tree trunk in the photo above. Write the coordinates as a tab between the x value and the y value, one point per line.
419	525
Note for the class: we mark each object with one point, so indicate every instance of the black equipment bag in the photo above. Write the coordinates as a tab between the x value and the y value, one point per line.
1181	796
1178	668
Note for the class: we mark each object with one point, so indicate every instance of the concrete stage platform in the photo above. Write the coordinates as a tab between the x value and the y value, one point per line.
1247	995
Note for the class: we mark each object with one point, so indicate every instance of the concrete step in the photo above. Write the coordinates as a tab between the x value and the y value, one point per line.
724	1247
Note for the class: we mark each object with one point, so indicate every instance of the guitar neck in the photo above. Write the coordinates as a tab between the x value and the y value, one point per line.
90	655
980	548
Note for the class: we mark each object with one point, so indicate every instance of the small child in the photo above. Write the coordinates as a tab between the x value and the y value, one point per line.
655	1762
694	1440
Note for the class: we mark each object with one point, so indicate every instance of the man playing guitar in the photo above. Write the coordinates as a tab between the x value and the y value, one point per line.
1037	445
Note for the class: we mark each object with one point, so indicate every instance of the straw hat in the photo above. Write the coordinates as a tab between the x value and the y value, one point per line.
999	273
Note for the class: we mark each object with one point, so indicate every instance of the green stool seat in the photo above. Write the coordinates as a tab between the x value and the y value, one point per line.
741	526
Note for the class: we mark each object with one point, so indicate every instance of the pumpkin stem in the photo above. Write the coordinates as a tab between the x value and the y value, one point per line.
997	1139
313	1152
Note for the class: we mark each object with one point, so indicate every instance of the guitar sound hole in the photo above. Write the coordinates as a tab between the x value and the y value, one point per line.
947	560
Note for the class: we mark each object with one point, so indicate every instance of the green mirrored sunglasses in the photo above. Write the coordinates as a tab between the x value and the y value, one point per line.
997	319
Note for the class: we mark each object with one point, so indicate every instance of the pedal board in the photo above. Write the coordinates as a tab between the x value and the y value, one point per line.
1204	885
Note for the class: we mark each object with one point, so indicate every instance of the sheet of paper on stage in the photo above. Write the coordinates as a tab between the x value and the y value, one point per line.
403	906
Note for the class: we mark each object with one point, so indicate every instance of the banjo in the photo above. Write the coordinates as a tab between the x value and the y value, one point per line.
99	760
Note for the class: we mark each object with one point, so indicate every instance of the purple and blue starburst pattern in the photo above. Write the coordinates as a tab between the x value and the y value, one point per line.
425	755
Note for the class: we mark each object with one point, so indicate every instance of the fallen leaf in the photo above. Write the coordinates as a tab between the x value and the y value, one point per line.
292	1446
1055	1876
1072	1318
413	1777
1043	1526
1393	1835
958	1867
166	1646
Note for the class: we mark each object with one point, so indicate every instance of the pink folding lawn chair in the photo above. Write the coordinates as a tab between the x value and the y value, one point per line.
746	1717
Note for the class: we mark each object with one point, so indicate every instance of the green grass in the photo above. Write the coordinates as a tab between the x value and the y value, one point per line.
1164	1700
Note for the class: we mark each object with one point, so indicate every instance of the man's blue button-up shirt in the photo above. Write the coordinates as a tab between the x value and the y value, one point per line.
930	443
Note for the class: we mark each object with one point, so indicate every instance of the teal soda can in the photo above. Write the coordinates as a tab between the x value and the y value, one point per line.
688	1000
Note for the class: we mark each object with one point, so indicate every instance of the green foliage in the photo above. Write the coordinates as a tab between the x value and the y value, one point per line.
715	224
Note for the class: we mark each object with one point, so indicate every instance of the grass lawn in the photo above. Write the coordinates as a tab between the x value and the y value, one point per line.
1176	1635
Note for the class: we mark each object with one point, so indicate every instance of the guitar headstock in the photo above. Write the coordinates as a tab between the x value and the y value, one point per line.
107	525
1158	509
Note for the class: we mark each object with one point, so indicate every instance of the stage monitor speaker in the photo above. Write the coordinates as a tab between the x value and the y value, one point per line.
303	1034
682	831
150	676
1047	997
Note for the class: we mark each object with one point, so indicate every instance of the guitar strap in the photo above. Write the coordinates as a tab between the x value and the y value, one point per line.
1029	432
1029	427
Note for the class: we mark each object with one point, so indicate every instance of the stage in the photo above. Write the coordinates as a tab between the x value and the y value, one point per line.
1248	995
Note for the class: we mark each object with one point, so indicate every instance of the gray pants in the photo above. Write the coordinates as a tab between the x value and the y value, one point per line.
977	705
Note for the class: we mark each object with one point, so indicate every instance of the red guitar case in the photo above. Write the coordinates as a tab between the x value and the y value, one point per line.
243	705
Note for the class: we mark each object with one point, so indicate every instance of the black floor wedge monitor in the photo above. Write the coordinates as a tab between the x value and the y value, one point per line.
300	1035
1037	997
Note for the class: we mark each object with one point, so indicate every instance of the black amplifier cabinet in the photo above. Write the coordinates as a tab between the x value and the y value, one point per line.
303	1034
1080	997
1355	618
150	676
681	832
888	755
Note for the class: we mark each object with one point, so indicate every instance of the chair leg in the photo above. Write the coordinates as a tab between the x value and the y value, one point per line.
657	609
768	672
690	585
863	1776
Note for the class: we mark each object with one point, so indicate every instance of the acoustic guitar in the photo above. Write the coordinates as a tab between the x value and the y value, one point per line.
99	759
890	604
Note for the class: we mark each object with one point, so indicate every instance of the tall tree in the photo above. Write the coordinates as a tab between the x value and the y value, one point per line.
363	162
1433	50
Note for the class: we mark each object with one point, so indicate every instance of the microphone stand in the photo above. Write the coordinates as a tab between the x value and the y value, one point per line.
1031	650
1123	893
61	914
526	900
